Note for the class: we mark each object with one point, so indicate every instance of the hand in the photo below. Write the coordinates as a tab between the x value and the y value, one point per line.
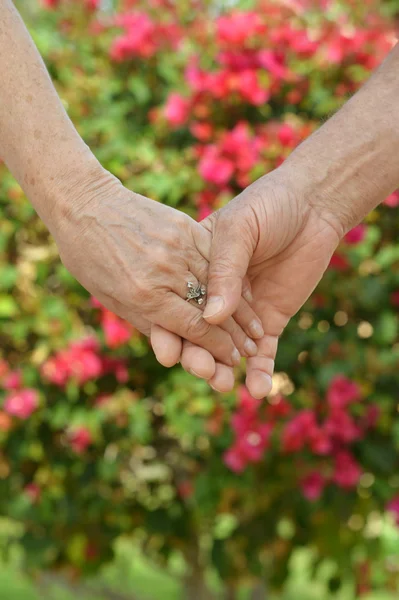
272	233
136	256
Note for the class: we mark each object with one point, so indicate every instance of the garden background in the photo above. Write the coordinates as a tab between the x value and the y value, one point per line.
122	480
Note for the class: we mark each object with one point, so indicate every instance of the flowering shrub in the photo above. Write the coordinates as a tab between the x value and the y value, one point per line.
188	106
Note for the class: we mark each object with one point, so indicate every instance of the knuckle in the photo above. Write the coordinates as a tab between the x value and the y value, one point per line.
161	256
197	327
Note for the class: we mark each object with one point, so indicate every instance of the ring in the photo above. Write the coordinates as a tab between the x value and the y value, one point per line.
196	292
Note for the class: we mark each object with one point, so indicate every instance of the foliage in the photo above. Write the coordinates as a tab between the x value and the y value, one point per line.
187	102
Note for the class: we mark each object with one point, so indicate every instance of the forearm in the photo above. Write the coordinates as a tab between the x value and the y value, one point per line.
349	165
38	142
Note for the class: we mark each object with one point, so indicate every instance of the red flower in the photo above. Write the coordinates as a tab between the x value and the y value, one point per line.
214	168
312	486
80	439
395	298
296	432
22	404
347	471
393	507
234	460
342	392
12	381
177	109
279	409
356	235
33	491
238	27
339	262
341	427
51	3
287	136
392	200
117	331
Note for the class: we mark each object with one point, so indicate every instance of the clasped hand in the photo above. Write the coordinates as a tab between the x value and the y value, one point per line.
268	249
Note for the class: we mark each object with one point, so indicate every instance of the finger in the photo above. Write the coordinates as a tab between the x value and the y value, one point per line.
167	346
186	321
260	368
245	323
232	249
223	379
248	320
245	345
197	361
247	290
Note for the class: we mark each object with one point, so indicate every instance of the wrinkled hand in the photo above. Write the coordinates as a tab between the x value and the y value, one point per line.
136	256
272	233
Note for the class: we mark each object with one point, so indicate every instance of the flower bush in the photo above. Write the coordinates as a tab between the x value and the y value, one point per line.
188	103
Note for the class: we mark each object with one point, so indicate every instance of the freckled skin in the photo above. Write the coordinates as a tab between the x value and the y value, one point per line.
121	246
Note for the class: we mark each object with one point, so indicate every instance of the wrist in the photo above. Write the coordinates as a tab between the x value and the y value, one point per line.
73	187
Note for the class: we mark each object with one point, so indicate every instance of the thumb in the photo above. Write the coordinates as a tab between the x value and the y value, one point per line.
231	253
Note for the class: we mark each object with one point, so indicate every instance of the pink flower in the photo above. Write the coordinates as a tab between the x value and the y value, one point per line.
312	486
250	88
33	491
273	63
22	404
392	200
80	439
279	409
177	109
393	507
92	4
296	432
51	3
12	381
239	26
215	168
202	131
204	211
287	136
320	442
347	471
341	427
342	392
339	262
356	235
81	361
117	332
234	461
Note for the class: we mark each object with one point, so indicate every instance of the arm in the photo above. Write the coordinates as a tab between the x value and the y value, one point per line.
108	237
38	142
284	228
351	164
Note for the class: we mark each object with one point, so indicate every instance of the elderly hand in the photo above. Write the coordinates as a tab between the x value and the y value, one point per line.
136	256
272	232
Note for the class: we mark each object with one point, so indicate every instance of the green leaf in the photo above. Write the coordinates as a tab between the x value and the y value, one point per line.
8	307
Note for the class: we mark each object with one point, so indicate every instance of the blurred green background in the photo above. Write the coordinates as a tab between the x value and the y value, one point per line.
122	480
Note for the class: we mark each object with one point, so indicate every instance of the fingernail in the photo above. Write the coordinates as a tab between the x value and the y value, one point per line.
236	357
214	305
250	347
247	295
195	374
256	329
213	388
268	382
